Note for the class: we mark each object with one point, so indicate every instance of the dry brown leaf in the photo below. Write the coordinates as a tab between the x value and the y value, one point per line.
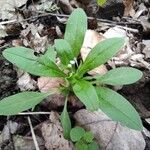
32	37
90	40
53	134
109	134
46	84
129	7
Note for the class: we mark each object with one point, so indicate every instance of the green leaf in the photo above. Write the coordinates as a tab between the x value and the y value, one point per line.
100	54
50	54
120	76
88	137
64	51
118	108
75	30
101	2
93	146
65	121
20	102
80	145
77	133
85	91
25	59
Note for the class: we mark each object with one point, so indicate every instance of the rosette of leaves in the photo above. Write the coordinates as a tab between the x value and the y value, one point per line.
91	91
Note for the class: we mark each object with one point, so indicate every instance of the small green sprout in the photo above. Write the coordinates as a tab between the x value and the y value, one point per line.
83	139
101	2
92	91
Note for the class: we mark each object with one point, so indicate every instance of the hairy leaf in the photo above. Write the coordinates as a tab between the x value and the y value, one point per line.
85	91
118	108
75	30
20	102
25	59
64	51
65	121
120	76
77	133
100	54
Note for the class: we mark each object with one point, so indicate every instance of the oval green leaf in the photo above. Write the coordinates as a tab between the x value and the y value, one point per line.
75	30
77	133
118	108
120	76
85	91
65	121
25	59
20	102
100	54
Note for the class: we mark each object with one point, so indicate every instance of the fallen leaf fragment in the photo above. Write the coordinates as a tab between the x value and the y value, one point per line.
53	134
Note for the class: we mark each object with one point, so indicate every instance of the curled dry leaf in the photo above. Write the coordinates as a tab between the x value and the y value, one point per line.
90	40
53	134
109	134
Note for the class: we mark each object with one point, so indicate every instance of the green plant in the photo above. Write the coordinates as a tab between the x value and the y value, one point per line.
92	91
101	2
83	139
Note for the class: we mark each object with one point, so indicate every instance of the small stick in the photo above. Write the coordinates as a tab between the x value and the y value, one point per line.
34	113
33	134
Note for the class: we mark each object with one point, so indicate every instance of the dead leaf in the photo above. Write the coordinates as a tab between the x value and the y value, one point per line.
2	32
25	143
90	40
53	134
7	8
32	37
109	134
65	6
129	11
25	82
46	84
146	49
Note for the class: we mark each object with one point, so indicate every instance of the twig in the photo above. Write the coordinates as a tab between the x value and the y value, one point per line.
33	134
43	14
34	113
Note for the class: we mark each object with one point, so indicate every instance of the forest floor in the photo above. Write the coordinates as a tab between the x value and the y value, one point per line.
37	23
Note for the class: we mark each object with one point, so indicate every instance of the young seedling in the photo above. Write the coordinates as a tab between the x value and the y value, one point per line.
83	139
92	91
